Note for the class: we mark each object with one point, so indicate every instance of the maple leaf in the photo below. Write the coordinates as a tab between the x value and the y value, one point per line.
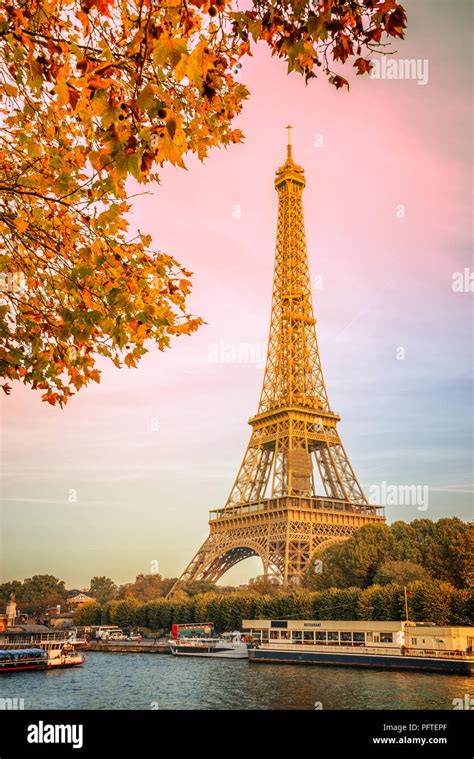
363	66
51	398
101	5
339	82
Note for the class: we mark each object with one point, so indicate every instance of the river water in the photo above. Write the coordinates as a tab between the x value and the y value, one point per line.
158	681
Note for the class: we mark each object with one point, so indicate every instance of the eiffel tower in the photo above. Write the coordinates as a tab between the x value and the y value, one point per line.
273	510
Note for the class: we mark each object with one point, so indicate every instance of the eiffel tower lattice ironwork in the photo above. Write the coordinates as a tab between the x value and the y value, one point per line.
273	510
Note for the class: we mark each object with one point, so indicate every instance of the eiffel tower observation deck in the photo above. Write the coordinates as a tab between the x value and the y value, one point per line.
273	510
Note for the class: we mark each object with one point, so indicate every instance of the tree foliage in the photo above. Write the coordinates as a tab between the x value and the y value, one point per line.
399	553
103	589
87	614
95	92
336	603
384	603
146	587
35	594
123	613
401	572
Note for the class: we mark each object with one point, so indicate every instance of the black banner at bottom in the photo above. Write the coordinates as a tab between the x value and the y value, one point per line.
116	733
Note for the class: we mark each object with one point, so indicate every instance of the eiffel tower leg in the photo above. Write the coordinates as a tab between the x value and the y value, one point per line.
266	559
287	557
217	555
253	475
352	487
336	472
192	571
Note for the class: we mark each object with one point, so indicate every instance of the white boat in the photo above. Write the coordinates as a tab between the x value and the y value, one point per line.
62	656
227	646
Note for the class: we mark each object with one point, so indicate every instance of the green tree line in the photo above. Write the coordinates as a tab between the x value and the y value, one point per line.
438	602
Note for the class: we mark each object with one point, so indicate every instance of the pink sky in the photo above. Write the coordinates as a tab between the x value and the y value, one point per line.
144	495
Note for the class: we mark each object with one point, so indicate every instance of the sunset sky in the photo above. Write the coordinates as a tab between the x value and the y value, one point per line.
126	474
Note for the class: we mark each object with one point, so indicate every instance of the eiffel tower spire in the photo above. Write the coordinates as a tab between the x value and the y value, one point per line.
293	373
273	509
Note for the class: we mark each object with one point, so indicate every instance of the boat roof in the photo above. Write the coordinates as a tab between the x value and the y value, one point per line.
4	652
26	629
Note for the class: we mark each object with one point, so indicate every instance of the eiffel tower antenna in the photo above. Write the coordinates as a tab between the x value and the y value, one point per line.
289	128
273	510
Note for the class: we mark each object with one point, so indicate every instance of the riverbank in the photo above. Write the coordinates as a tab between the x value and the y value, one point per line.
126	647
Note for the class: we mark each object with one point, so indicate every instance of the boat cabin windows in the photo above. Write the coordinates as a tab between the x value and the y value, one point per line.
258	635
321	637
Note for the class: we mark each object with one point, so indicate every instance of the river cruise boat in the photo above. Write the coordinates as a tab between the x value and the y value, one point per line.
23	660
200	640
59	647
384	645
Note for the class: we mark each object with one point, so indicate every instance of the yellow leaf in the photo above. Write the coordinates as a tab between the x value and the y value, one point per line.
168	49
62	91
146	97
199	64
11	91
180	70
21	225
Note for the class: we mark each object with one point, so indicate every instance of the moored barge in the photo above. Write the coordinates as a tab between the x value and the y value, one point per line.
384	645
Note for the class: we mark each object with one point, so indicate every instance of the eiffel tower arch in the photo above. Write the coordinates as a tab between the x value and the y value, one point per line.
273	510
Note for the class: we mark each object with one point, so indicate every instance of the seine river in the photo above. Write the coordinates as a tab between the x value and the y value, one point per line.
158	681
